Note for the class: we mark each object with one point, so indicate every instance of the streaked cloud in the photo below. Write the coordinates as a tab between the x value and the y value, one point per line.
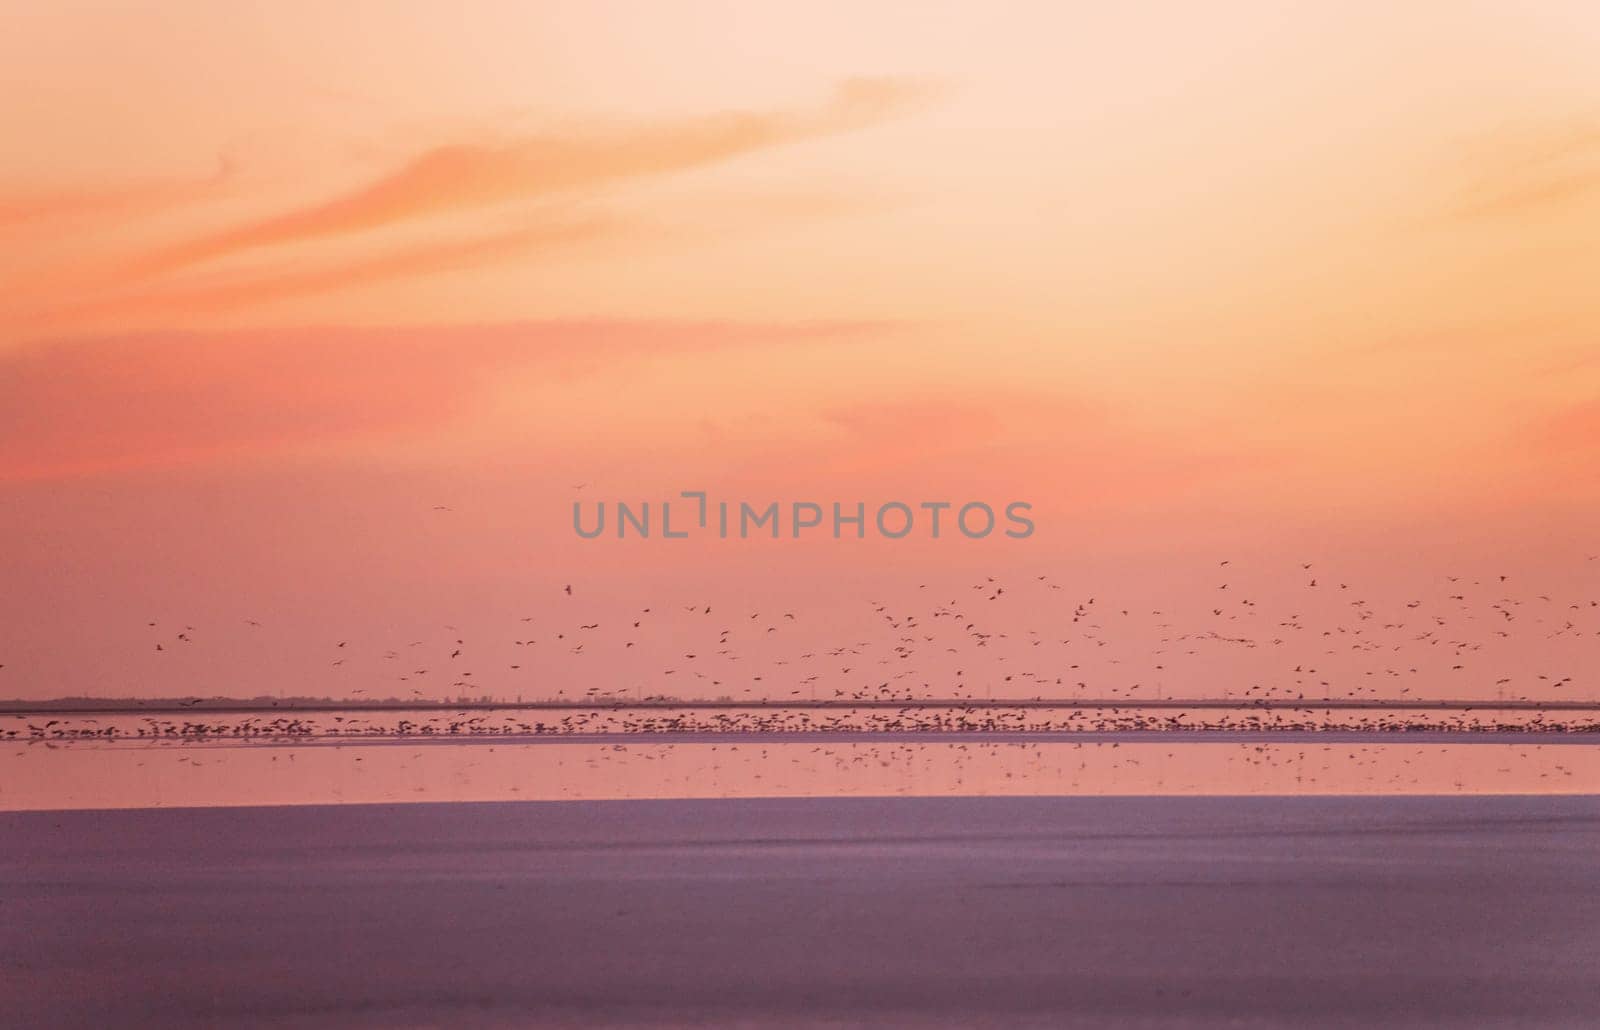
458	177
84	406
1528	170
425	216
22	207
293	279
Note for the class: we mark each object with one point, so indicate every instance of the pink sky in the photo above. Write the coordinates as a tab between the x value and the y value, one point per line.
1237	283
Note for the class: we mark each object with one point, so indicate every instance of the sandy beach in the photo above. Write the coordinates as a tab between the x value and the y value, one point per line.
1333	911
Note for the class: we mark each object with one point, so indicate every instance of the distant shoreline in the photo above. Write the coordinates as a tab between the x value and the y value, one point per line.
1196	736
238	706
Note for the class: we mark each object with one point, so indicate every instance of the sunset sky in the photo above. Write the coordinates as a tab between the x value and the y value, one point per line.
1254	282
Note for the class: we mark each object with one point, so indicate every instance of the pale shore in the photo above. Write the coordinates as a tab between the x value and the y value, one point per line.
1266	911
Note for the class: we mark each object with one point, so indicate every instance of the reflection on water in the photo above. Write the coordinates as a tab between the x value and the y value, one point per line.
385	769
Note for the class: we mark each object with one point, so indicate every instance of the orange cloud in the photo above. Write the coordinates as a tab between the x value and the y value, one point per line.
460	177
96	290
93	405
293	281
133	199
1529	171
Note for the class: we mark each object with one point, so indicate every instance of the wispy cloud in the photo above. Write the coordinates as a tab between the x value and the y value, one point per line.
1527	170
424	216
456	177
23	207
90	405
292	279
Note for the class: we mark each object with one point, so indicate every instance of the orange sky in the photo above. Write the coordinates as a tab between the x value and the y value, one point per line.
1195	280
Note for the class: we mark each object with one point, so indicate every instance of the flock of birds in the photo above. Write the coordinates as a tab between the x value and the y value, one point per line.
948	661
621	722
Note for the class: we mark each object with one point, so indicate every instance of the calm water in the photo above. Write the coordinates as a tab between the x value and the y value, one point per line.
351	758
828	912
